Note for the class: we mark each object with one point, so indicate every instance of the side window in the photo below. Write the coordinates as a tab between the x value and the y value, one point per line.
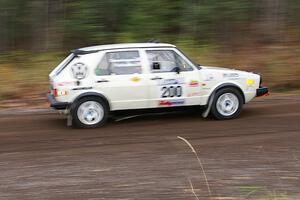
119	63
166	61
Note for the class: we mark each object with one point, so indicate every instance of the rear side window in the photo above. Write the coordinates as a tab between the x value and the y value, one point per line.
119	63
64	64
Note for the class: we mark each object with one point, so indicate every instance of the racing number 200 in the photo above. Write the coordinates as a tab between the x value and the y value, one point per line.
171	91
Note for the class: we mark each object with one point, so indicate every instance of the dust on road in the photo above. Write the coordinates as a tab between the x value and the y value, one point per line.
256	156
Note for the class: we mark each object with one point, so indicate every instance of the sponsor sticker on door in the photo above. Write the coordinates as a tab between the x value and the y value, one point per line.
172	81
173	102
194	83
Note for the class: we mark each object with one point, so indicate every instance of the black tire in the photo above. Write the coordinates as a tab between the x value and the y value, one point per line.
214	110
76	122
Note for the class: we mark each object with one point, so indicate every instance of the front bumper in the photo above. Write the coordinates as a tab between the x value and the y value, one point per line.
56	104
262	91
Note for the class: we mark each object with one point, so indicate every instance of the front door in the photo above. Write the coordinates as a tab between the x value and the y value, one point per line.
173	81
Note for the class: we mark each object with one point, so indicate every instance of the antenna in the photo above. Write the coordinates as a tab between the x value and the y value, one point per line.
154	40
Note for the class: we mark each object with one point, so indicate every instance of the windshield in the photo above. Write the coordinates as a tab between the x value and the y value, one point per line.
194	63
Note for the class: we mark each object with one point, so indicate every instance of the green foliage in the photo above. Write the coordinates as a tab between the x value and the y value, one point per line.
30	31
50	25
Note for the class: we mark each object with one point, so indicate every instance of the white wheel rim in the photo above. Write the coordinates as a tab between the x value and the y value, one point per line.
90	112
227	104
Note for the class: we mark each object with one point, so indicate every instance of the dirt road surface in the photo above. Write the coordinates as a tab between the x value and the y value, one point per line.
256	156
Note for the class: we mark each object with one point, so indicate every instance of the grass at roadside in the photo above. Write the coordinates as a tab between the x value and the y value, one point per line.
23	73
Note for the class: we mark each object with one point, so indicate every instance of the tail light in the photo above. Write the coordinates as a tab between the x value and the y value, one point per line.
58	93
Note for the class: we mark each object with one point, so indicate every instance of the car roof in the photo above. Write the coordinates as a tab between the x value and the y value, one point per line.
124	46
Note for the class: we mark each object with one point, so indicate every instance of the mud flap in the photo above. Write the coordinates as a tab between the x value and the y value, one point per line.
69	120
207	110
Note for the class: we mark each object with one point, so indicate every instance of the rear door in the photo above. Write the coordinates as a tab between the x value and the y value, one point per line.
167	87
120	77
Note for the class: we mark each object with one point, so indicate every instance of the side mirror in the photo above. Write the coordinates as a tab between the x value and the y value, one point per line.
177	70
155	66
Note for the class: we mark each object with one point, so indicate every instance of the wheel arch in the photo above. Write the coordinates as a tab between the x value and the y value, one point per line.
228	85
92	94
214	91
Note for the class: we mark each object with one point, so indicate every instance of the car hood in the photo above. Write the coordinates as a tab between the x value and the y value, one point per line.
211	71
218	68
223	69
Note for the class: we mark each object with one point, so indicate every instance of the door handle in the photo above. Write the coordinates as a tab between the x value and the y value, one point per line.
156	78
103	81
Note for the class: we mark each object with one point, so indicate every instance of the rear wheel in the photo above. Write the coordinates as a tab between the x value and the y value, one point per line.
227	104
89	112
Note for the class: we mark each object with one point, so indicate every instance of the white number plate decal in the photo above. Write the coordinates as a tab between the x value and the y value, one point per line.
171	91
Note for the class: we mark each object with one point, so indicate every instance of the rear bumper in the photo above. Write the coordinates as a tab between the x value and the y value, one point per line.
262	91
56	104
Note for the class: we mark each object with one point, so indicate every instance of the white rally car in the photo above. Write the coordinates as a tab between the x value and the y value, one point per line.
95	81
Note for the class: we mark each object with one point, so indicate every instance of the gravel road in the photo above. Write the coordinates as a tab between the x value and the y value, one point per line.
256	156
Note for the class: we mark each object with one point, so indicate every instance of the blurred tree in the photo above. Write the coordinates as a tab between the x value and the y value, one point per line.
93	21
45	25
271	19
154	19
216	20
14	22
3	27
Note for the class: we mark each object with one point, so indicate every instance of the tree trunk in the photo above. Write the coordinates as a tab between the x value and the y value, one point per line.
271	23
3	30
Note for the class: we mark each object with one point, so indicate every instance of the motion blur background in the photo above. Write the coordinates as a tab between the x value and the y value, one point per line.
258	35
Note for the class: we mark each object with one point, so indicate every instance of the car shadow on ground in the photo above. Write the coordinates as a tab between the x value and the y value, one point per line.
163	116
179	116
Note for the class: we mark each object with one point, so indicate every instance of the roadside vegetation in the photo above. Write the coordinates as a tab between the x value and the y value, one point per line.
260	36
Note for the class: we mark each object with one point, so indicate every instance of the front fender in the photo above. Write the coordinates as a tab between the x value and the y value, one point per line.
218	86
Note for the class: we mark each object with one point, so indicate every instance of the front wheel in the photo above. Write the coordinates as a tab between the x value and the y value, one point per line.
89	112
227	103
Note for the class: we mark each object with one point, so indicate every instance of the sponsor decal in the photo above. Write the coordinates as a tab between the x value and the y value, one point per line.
209	77
250	89
79	71
205	86
194	83
68	83
231	75
194	94
172	81
135	79
173	102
